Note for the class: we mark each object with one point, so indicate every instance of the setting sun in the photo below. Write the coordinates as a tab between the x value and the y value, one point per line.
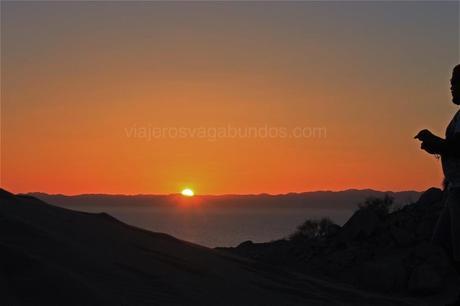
188	192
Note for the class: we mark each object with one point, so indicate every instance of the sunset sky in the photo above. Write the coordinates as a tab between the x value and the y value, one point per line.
81	80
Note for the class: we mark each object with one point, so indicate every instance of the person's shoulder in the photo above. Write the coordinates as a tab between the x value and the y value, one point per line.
456	122
457	115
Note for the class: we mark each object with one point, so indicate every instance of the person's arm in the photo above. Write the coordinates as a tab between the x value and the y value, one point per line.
437	145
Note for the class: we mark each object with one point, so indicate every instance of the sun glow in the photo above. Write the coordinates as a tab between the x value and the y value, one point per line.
188	192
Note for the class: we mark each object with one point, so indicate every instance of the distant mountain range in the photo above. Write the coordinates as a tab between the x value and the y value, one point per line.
347	199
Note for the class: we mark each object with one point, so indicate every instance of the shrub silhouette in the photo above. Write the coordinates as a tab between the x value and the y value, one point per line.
313	229
381	206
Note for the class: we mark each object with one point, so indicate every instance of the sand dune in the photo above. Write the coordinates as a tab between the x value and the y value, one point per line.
54	256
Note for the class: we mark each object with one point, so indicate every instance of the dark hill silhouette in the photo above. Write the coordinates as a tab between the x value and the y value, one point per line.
316	199
54	256
388	253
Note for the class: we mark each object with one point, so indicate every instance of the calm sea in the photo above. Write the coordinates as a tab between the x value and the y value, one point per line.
226	220
222	226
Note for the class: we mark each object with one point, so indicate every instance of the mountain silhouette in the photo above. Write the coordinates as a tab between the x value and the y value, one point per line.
345	199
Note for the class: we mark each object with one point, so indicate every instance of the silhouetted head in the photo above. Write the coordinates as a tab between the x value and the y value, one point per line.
455	85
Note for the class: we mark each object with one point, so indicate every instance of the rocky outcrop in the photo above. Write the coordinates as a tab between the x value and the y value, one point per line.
388	275
425	279
390	254
430	197
360	226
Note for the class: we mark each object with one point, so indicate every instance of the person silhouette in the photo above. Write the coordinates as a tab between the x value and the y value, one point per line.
447	230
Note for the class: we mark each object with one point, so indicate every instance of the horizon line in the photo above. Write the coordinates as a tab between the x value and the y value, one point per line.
220	195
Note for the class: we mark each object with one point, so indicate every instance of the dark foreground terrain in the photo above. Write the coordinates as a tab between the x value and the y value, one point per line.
390	253
54	256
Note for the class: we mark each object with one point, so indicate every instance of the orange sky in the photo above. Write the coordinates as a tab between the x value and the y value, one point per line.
77	76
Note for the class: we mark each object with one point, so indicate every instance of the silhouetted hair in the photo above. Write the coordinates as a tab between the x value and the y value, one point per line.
456	70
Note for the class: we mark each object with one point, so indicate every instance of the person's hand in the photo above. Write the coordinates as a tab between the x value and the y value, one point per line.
424	135
428	147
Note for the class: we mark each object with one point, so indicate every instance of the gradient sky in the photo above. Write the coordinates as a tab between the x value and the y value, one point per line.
75	76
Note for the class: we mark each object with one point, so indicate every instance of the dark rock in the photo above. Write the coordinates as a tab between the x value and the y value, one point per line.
401	236
434	256
342	264
425	280
361	225
405	219
333	230
244	244
431	196
426	226
383	276
426	250
343	258
5	194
